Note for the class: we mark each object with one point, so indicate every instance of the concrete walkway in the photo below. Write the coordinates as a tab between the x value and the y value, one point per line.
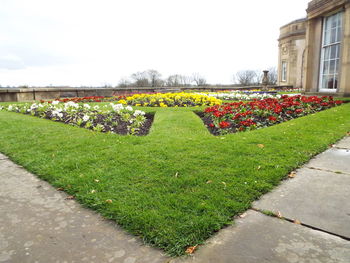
316	207
38	224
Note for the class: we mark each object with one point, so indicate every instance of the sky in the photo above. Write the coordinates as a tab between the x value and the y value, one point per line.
98	42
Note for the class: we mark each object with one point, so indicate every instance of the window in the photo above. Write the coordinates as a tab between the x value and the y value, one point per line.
330	55
284	71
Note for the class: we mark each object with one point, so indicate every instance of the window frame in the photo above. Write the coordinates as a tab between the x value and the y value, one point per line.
337	44
284	71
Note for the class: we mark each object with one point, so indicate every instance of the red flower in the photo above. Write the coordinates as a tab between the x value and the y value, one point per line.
272	118
247	123
211	125
224	124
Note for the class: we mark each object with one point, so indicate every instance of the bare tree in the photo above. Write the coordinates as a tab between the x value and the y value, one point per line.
198	79
174	81
154	78
246	77
177	80
185	80
140	79
259	77
124	82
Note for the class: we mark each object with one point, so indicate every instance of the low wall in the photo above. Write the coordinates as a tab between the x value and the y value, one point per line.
31	94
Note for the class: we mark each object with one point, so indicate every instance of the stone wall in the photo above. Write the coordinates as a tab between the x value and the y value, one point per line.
31	94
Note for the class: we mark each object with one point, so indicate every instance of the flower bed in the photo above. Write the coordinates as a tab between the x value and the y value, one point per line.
170	100
113	118
245	96
243	116
88	99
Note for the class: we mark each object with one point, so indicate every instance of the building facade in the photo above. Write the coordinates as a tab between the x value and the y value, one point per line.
325	60
291	51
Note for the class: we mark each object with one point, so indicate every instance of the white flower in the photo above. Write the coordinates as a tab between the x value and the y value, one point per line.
33	106
87	106
129	108
86	118
57	113
55	102
71	104
139	112
117	107
10	108
96	107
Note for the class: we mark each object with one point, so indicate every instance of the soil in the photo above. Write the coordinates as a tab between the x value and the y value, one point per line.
107	121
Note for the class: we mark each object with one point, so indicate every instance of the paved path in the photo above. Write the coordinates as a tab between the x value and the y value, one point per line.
37	223
318	197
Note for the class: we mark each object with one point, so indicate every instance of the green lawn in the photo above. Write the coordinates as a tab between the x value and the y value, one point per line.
178	185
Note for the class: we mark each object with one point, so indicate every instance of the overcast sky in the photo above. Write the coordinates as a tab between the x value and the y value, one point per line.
97	42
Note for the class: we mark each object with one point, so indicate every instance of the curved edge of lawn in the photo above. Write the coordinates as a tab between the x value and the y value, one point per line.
178	185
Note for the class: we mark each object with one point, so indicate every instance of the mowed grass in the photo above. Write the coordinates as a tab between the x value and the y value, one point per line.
178	185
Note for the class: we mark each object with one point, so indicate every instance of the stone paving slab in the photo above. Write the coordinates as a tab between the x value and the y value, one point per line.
2	157
334	159
314	197
38	225
260	238
344	143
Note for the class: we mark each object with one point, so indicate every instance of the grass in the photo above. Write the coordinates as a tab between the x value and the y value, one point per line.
178	185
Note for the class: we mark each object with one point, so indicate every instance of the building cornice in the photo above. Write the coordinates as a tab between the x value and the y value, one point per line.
321	7
297	21
299	33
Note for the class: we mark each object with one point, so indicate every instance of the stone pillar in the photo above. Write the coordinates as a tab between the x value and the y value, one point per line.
265	80
312	54
344	87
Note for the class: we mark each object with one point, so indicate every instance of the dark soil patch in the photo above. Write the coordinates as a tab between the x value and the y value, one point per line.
109	123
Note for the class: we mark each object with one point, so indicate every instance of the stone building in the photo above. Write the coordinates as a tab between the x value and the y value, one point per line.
291	53
325	61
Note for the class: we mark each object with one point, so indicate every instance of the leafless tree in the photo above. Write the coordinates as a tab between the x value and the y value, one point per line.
173	81
124	82
154	78
185	80
247	77
177	80
259	77
140	79
198	79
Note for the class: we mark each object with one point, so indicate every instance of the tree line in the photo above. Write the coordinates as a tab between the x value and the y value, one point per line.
152	78
254	77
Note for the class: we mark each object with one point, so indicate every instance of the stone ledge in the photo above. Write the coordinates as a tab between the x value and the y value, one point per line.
320	7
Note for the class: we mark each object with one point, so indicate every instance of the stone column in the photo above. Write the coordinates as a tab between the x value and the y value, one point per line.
312	54
265	80
344	87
